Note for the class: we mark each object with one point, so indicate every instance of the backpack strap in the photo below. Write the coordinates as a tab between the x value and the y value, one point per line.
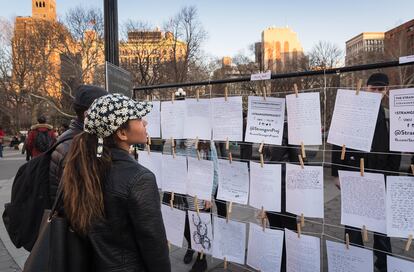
53	147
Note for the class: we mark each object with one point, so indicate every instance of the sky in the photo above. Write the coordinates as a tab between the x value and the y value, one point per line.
233	25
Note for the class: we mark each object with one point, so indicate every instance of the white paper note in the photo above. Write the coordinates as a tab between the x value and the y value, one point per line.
153	162
402	120
174	174
174	223
201	232
265	120
302	254
400	206
154	120
233	181
172	119
363	200
304	119
354	259
197	119
354	119
264	251
265	186
227	118
399	265
229	240
304	190
200	178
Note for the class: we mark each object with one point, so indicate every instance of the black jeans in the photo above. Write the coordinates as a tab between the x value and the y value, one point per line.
380	242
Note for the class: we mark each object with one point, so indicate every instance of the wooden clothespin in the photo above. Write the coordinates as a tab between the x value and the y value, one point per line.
169	245
149	139
172	97
196	143
148	149
225	93
302	220
201	255
410	239
298	229
225	263
227	144
302	148
364	234
261	147
264	93
198	155
148	97
361	164
198	94
295	87
230	157
196	205
261	160
229	209
172	200
359	85
301	162
412	169
347	240
263	218
343	152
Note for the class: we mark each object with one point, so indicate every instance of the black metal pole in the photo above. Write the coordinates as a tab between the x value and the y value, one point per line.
339	70
111	31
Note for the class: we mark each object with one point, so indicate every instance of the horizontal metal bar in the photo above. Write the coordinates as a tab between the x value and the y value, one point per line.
345	69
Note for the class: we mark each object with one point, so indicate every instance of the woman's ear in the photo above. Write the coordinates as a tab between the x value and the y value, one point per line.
121	134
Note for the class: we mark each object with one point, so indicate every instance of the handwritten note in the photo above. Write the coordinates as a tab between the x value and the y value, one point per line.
302	254
233	181
200	178
174	223
354	119
363	200
400	206
201	232
265	186
304	119
304	190
354	259
172	119
229	240
174	174
265	120
154	120
264	251
198	119
153	162
399	265
227	118
402	120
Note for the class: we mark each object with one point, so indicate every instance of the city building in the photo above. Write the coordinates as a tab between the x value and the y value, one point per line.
278	48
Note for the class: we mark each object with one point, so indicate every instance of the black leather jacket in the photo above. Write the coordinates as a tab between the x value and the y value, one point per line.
58	156
132	236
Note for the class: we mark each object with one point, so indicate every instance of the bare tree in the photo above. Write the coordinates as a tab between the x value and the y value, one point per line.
186	28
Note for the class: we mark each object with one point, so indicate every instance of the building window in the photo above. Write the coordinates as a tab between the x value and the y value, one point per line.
286	47
44	5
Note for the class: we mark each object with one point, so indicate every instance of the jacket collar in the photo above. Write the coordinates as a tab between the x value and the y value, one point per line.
120	155
41	126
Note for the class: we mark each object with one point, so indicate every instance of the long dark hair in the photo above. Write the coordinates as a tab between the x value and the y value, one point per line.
83	179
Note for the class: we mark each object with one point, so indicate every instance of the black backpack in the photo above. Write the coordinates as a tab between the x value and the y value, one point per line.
29	198
43	141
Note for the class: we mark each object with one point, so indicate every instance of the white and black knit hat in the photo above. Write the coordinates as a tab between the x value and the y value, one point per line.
109	112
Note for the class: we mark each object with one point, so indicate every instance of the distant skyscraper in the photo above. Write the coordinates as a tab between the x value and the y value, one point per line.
277	47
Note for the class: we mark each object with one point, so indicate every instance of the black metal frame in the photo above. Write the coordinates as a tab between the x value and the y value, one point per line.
331	71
